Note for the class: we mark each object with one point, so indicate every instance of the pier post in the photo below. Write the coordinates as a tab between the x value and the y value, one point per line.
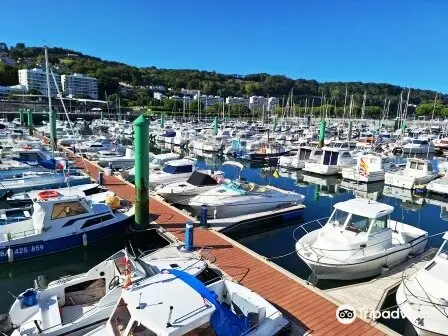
322	126
215	126
52	119
141	145
349	129
162	120
22	121
30	121
316	192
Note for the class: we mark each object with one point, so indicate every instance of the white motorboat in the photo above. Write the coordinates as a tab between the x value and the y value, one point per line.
358	241
197	183
77	304
369	168
175	303
423	295
237	199
173	171
417	172
438	186
304	154
334	158
418	146
60	222
116	160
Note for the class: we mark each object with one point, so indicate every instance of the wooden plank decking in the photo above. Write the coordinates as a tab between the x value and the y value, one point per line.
305	306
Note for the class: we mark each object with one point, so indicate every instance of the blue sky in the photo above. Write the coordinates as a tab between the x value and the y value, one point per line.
394	41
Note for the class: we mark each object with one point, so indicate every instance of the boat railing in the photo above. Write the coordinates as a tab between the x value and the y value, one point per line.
303	227
9	236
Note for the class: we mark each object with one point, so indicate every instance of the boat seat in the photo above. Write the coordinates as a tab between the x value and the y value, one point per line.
49	310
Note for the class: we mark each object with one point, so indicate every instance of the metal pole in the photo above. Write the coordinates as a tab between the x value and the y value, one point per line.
52	120
141	144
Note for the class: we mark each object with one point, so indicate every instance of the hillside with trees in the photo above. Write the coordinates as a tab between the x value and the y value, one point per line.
110	74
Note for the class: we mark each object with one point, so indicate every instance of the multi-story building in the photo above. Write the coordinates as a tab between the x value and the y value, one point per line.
158	88
187	99
208	100
273	103
78	85
188	92
237	101
258	102
35	79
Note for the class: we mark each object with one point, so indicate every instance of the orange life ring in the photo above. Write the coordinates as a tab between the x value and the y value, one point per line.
48	194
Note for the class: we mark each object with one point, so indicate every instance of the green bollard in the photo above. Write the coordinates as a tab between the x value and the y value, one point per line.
30	121
349	130
316	192
322	126
141	144
52	119
215	126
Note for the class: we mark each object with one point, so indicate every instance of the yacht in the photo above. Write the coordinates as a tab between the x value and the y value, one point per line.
418	146
197	183
237	199
174	303
173	171
359	241
60	222
423	295
304	154
336	156
77	304
416	173
369	168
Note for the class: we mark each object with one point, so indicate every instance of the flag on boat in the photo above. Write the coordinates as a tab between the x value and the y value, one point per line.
127	269
363	168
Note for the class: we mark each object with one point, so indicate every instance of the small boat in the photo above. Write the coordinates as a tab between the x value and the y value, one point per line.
336	156
359	241
417	172
173	171
304	154
116	160
368	169
265	151
237	199
438	186
60	222
77	304
423	295
174	303
418	146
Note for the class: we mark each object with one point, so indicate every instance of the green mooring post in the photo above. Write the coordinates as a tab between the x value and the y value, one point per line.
52	120
162	120
316	192
141	145
349	129
30	121
215	126
322	126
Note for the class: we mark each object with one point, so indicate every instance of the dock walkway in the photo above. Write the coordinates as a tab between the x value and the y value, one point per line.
307	307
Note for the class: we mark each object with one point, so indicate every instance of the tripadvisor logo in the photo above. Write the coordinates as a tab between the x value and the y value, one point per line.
346	314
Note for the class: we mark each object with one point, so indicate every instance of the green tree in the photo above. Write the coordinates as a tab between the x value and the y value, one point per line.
8	75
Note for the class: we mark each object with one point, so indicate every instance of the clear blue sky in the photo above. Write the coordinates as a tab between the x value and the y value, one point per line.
403	42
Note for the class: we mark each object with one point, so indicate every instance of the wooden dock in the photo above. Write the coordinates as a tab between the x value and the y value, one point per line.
373	293
309	309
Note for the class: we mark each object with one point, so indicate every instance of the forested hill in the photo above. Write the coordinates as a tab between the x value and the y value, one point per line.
110	74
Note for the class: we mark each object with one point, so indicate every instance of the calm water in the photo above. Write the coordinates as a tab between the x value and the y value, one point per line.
321	194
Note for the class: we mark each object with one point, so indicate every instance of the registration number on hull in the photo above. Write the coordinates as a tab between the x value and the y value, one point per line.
24	250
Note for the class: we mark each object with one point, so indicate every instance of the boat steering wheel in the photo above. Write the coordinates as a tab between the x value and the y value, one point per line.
114	282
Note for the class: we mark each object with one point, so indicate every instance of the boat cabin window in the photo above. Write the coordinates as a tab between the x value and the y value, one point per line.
120	318
429	165
378	224
177	169
421	166
338	217
358	224
346	155
30	157
413	165
68	209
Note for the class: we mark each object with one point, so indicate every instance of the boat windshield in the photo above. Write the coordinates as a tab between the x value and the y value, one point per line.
338	217
358	224
419	142
177	169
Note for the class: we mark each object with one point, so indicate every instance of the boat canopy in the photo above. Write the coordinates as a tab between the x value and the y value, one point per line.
365	208
199	179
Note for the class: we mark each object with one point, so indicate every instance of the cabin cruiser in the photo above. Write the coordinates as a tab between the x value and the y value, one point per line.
336	156
187	307
423	295
116	160
77	304
265	151
237	199
418	146
416	173
369	168
60	222
358	241
173	171
156	162
95	146
304	154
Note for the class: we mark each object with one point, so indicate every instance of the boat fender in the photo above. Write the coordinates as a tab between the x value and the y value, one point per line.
84	240
10	255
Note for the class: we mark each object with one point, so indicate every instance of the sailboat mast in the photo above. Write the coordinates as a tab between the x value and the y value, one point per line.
47	68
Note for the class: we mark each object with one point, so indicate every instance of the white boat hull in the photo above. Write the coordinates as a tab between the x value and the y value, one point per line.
353	175
401	181
321	169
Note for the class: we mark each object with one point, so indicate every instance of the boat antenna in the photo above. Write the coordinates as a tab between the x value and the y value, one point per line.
168	323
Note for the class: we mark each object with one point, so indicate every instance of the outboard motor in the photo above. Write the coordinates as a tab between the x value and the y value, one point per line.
6	326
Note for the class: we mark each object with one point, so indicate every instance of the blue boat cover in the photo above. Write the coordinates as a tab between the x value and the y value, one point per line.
223	321
51	164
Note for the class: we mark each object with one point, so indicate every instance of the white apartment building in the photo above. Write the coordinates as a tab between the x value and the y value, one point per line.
159	88
187	99
237	101
209	100
78	85
257	102
273	103
36	79
188	92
